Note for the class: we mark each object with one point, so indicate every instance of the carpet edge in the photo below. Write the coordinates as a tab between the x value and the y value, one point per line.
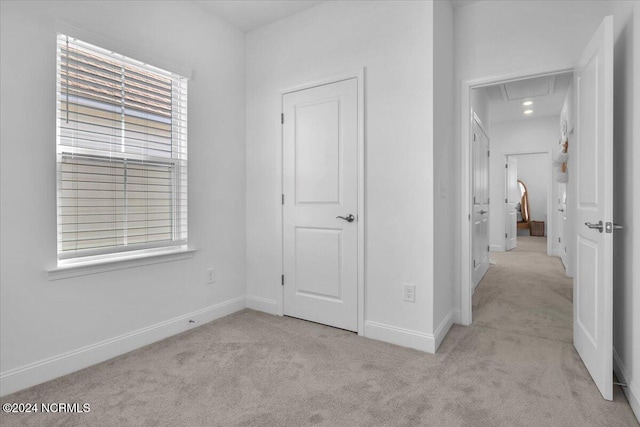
48	369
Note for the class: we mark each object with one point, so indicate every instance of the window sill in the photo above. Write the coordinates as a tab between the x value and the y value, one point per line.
94	267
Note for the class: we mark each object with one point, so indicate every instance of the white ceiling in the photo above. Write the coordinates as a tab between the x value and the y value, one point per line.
547	94
251	14
460	3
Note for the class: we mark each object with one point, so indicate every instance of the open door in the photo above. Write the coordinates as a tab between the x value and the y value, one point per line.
510	203
480	239
593	280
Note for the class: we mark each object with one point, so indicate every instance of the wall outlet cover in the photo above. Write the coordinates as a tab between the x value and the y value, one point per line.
211	275
409	292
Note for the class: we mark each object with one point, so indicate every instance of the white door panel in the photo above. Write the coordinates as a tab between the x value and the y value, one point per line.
320	183
318	262
480	194
317	146
593	281
512	199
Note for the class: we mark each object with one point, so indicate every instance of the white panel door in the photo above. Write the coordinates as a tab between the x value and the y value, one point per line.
320	184
593	280
510	202
480	236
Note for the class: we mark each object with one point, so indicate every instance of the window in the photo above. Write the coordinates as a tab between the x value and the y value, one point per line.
121	154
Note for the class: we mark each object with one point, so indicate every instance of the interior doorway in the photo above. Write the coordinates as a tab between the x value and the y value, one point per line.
525	288
323	202
511	111
528	198
590	196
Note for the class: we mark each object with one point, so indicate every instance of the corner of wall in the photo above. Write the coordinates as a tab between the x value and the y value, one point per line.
631	391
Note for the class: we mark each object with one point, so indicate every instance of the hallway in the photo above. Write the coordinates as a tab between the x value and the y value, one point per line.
527	292
527	295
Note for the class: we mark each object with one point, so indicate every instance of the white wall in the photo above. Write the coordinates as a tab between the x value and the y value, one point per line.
494	40
631	358
444	200
530	135
394	41
42	319
626	269
480	106
631	321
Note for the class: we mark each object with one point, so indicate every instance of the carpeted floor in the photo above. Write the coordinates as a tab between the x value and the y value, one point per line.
527	292
514	367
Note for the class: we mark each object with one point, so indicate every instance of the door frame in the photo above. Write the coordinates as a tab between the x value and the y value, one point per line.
550	221
466	119
359	75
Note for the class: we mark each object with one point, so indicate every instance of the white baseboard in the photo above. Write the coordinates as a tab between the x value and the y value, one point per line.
443	329
557	252
456	317
57	366
633	396
262	304
400	336
497	248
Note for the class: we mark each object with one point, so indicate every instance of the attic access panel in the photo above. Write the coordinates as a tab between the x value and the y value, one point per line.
528	88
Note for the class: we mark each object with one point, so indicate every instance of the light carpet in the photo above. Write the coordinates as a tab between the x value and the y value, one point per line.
514	367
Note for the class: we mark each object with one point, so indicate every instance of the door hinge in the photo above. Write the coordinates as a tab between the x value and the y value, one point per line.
282	280
488	153
282	118
506	200
283	199
559	240
469	217
474	137
474	200
506	166
505	235
487	248
474	263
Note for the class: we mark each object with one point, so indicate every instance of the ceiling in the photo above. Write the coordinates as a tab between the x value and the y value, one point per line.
547	94
460	3
251	14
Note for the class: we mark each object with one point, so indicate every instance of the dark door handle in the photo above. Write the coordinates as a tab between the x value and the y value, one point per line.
599	226
349	218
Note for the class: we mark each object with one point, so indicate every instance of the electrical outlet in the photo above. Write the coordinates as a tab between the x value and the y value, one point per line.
409	292
211	275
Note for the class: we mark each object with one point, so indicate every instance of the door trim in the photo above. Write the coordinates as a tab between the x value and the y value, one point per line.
359	75
466	120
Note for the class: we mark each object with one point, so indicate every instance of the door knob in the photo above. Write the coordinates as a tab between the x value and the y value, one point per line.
599	226
349	218
483	212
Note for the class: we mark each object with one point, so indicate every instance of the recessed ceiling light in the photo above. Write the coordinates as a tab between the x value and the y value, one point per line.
527	103
528	111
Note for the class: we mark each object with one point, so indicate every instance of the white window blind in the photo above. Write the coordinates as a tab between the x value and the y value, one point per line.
121	153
